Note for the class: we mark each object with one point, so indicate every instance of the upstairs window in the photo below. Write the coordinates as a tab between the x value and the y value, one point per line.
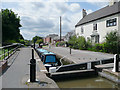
94	27
111	22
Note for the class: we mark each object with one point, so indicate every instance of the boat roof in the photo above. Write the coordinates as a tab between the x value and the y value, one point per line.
49	53
42	50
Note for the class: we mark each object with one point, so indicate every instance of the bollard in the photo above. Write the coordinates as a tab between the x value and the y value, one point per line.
34	45
116	63
32	68
70	50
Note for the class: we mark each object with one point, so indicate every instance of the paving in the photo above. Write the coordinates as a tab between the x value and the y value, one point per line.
79	56
17	73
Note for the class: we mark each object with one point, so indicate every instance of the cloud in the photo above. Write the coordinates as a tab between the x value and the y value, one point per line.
42	18
74	7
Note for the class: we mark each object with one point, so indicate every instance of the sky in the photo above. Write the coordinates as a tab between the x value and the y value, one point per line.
42	17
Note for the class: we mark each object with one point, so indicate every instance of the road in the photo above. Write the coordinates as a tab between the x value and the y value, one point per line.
79	56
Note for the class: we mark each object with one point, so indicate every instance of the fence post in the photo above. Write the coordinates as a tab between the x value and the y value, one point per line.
4	54
8	52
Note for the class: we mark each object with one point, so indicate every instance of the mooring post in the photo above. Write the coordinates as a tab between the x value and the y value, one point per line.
34	45
32	68
70	50
116	63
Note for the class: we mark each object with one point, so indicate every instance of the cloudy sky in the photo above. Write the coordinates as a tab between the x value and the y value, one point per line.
41	17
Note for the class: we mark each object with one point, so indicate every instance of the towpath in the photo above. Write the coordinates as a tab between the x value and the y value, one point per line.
79	56
17	74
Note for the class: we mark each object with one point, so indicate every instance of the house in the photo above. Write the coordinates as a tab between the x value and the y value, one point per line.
96	25
57	39
68	35
52	38
49	38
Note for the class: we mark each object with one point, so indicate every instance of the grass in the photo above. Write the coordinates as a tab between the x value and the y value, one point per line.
44	46
2	52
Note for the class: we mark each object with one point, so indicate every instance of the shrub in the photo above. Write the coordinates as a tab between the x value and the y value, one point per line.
57	44
111	44
81	43
78	43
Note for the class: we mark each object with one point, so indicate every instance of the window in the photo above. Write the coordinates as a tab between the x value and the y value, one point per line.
94	26
82	30
50	58
111	22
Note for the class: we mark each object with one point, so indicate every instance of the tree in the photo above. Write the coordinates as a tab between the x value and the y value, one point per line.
10	26
37	39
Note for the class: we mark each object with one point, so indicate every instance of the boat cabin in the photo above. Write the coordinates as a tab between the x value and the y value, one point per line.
41	51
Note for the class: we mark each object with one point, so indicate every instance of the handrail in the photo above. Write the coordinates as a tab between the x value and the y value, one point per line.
6	55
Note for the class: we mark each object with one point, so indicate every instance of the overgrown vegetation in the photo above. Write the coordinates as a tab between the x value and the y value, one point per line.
78	43
60	43
109	46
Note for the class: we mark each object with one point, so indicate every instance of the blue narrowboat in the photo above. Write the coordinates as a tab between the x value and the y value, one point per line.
49	60
41	51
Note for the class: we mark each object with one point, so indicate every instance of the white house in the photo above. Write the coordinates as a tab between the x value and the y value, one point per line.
96	25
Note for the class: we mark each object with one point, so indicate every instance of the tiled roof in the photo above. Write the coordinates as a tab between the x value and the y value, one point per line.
104	12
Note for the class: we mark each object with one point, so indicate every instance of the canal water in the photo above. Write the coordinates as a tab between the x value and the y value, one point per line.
92	82
84	82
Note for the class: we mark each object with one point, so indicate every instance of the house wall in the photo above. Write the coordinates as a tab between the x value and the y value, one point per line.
102	30
47	40
119	23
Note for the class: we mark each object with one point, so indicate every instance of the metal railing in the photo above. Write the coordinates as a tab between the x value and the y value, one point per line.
8	50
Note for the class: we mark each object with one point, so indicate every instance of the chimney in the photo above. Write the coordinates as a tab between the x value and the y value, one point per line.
84	13
112	2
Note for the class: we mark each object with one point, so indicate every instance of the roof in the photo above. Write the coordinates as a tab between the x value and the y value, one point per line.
104	12
42	50
48	53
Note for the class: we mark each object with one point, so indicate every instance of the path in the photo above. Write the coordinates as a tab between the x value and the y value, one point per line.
18	69
79	56
17	74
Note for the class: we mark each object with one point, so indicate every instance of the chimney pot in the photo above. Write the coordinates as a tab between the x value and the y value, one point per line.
84	13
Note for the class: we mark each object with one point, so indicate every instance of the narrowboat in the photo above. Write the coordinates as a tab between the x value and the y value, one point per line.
49	60
41	51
